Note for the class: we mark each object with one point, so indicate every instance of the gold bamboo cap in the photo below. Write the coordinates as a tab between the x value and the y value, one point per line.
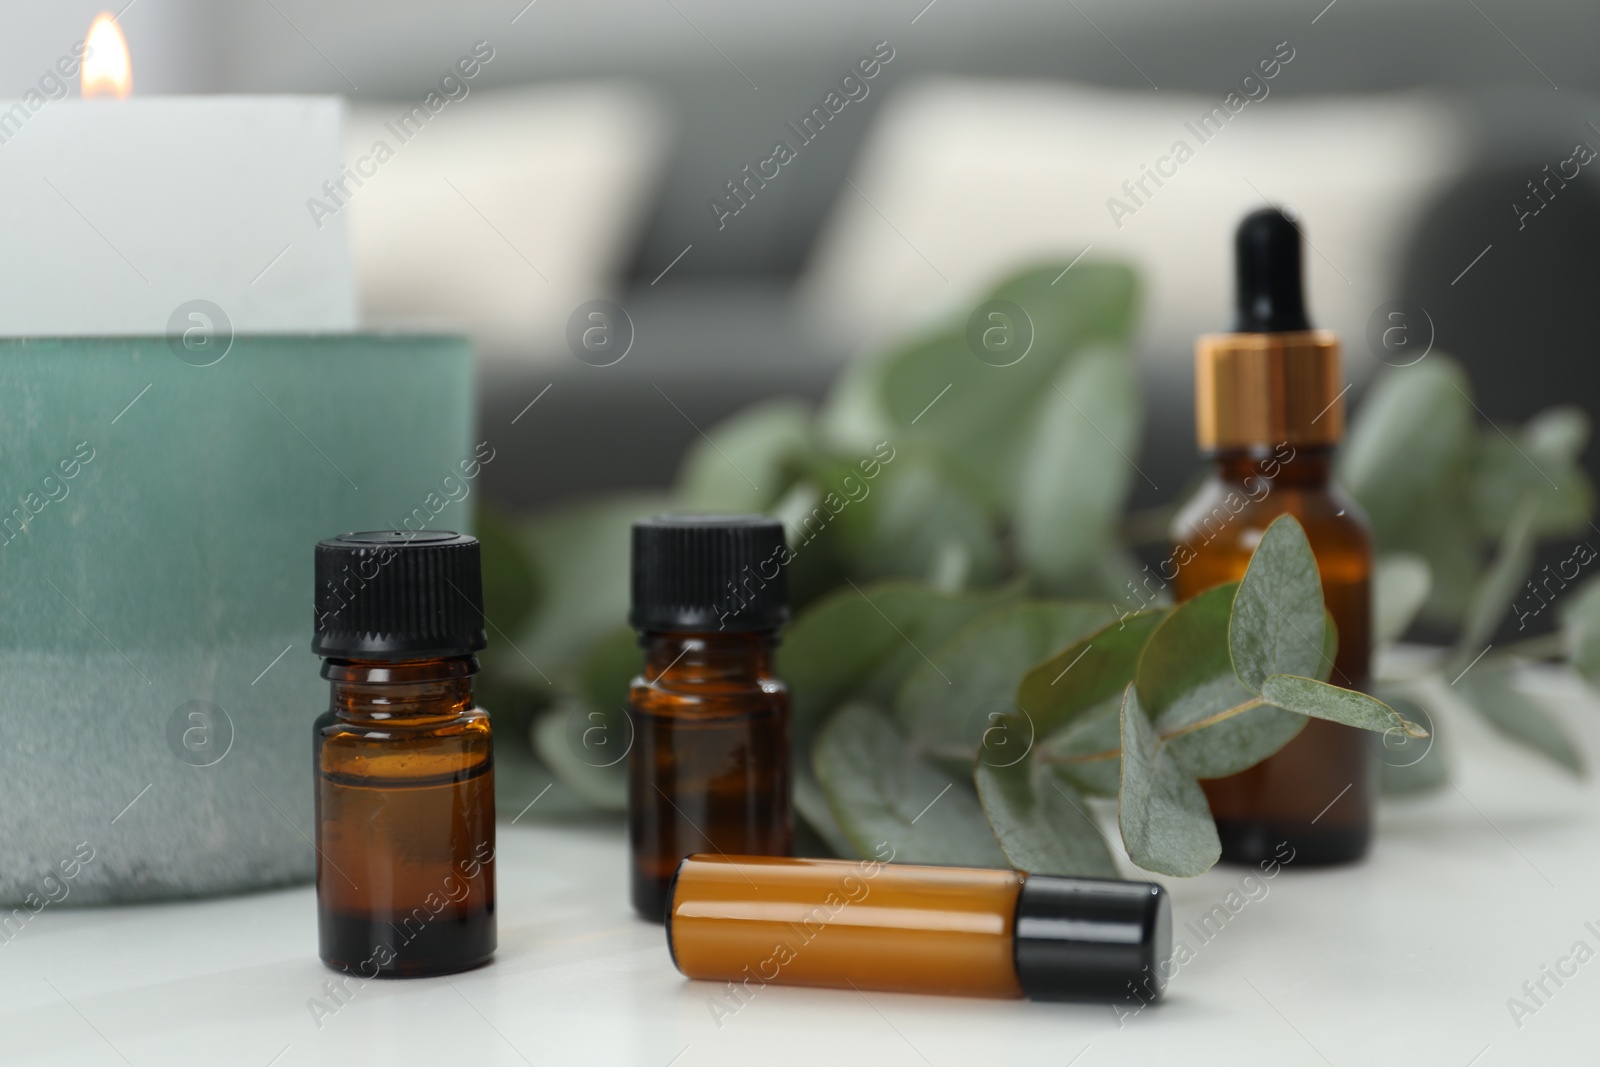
1265	389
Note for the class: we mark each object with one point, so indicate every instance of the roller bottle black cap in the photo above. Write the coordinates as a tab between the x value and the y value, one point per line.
709	574
1269	291
398	594
1091	938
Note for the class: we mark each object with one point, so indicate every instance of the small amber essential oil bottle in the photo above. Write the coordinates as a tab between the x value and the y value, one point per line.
1269	411
954	931
404	760
708	769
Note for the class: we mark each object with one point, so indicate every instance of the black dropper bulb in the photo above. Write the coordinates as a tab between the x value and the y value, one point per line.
1267	274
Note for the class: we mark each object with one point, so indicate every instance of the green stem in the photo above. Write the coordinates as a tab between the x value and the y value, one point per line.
1162	736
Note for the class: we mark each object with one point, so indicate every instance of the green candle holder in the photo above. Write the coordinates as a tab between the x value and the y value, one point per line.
157	520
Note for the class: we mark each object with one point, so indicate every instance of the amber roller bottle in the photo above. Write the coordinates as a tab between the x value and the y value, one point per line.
404	761
958	931
708	769
1269	411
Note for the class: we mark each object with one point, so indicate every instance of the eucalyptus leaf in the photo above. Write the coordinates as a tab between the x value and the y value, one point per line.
1077	469
1500	583
581	554
915	520
881	792
576	741
1165	820
1400	587
510	585
977	672
1449	541
1323	701
1042	823
811	803
524	788
852	418
1520	715
743	463
938	393
585	738
1214	726
1278	618
1087	752
1087	675
862	640
1408	461
1542	459
1560	432
1409	444
1580	624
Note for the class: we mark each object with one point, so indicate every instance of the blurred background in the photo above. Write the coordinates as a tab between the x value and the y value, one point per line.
1421	143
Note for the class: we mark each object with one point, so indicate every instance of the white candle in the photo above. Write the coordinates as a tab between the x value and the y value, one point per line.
117	213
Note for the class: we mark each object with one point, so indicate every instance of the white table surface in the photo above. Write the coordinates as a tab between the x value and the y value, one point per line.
1409	959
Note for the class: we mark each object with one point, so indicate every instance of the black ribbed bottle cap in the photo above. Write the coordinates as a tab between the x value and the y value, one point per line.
398	594
1091	939
709	574
1269	296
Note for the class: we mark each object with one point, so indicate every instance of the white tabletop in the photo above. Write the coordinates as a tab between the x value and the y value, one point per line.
1410	958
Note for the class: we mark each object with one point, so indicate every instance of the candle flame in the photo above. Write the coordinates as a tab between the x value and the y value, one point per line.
107	70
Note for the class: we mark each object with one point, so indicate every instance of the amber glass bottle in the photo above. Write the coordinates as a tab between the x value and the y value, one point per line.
954	931
404	759
1269	411
708	769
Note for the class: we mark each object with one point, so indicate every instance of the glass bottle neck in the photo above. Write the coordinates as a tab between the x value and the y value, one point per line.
1307	466
371	690
688	659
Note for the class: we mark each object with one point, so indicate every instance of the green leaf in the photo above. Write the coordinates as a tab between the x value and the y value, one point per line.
1542	459
938	394
1187	684
1086	675
1520	715
1409	444
1500	583
1166	823
558	739
743	464
1078	467
916	521
585	738
524	788
1411	765
880	792
1087	751
1042	823
811	802
1580	623
1323	701
1408	461
860	641
948	701
1278	617
1399	589
852	418
581	554
509	582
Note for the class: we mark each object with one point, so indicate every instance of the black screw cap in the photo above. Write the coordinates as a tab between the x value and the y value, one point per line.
709	574
398	594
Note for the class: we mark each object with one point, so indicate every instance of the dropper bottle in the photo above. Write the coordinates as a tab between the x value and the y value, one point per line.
1269	411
